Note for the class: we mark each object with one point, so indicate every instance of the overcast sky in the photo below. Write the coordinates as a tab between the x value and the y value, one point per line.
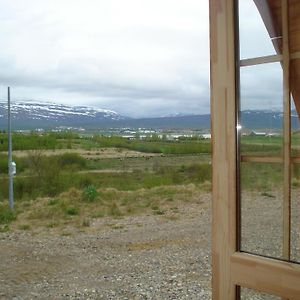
137	57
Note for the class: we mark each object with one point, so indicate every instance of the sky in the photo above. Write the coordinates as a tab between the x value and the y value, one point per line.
140	58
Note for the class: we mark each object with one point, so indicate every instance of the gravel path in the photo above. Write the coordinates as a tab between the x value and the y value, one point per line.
139	257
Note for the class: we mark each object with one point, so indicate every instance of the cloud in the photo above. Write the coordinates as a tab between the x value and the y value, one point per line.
254	38
136	56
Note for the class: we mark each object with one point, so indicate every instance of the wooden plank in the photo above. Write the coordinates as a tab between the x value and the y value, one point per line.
260	60
268	159
295	55
261	159
266	275
286	133
223	113
270	12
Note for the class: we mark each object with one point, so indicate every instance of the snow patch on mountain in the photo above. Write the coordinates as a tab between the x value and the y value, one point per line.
53	111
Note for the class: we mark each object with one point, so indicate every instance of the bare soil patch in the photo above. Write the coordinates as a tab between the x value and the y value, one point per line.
92	154
135	257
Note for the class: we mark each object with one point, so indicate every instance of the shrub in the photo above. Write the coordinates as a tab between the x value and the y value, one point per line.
84	180
89	193
72	211
4	228
46	172
51	182
6	215
52	202
69	160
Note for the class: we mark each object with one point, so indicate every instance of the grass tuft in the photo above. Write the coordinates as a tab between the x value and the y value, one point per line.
6	215
89	193
72	211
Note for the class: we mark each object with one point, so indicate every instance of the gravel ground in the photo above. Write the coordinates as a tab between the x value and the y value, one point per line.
262	223
138	257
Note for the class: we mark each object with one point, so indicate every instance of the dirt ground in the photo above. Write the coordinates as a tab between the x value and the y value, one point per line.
137	257
100	153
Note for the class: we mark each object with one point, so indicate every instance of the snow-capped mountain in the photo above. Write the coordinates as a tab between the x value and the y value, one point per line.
255	119
31	114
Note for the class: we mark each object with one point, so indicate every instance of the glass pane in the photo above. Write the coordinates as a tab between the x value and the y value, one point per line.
249	294
261	108
295	184
295	214
261	182
295	89
258	26
295	85
261	208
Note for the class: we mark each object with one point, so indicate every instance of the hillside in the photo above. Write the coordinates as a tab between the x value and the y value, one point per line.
32	115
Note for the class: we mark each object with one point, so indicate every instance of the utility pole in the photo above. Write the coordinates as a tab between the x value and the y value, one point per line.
10	162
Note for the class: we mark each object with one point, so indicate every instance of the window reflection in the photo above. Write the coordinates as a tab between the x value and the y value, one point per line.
249	294
257	27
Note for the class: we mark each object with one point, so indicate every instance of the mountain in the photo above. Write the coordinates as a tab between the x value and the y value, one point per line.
258	119
32	115
176	122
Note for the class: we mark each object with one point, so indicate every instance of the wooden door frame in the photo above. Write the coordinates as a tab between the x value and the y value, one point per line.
230	267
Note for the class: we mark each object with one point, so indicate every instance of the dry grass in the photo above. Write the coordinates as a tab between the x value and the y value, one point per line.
71	208
91	154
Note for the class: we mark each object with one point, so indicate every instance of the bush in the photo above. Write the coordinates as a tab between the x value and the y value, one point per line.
68	160
6	215
72	211
51	181
52	202
89	193
30	141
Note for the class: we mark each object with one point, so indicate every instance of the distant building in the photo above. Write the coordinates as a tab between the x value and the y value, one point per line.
206	136
128	137
256	133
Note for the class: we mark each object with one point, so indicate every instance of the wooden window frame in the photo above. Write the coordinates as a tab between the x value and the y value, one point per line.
260	60
230	267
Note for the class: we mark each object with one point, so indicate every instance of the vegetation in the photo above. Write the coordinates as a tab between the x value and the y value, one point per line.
71	207
30	141
57	188
155	145
6	215
68	140
261	176
261	145
50	179
89	193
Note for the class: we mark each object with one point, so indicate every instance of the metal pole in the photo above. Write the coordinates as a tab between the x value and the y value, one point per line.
10	173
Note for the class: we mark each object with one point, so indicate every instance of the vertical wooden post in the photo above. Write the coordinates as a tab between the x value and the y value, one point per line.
223	113
286	133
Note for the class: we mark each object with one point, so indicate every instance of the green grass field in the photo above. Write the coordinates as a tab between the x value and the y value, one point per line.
69	187
74	187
